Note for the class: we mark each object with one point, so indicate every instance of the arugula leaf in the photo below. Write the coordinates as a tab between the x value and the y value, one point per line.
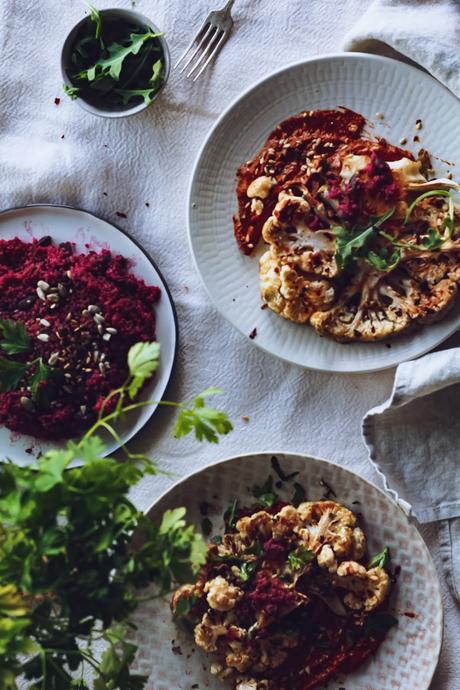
184	606
247	568
381	559
433	241
230	515
71	91
265	494
97	19
350	240
112	65
384	261
299	494
143	360
15	337
128	94
425	195
449	221
300	557
11	374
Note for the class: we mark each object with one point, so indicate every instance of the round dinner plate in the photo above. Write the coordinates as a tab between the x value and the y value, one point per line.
367	84
410	652
65	224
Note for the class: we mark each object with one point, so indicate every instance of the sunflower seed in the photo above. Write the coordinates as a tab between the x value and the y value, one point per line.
61	290
112	331
67	375
44	337
40	293
43	285
83	409
52	297
100	329
68	274
27	403
45	323
94	309
106	337
53	359
98	318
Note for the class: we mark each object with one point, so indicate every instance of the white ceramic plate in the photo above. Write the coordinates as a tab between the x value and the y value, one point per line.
410	652
365	83
66	224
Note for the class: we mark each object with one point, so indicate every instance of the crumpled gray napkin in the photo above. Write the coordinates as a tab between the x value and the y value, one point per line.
413	440
427	32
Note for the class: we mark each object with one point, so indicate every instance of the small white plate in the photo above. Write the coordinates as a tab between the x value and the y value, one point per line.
365	83
65	224
410	652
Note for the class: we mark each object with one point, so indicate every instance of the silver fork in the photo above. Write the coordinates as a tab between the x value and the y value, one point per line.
209	40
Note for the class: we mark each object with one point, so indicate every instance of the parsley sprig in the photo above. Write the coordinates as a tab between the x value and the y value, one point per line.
351	242
69	575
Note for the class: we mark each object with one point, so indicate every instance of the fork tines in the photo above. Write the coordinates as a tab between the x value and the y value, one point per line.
207	43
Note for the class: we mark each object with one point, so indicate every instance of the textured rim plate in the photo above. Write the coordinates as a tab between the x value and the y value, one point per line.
408	656
365	83
65	224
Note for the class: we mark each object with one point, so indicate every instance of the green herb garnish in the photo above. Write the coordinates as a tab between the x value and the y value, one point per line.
350	241
300	557
425	195
384	261
11	374
115	62
230	515
265	494
15	338
247	568
299	494
380	560
69	575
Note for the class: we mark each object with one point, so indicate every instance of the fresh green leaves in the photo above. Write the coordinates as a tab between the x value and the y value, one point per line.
11	374
231	515
300	557
265	494
384	260
114	62
143	360
71	91
206	422
247	568
381	559
425	195
117	53
350	241
15	338
97	19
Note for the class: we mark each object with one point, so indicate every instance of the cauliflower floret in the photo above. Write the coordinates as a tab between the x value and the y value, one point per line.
260	187
327	522
249	684
256	525
285	522
208	632
326	559
222	596
359	544
291	294
257	206
367	589
184	592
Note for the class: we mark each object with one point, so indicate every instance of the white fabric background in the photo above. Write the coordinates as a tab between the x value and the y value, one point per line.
149	158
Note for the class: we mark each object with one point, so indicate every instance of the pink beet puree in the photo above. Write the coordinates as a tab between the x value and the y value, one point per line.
87	318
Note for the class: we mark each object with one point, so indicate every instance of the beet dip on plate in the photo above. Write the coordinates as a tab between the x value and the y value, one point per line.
72	319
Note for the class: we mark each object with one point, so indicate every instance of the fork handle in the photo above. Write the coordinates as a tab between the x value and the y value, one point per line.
228	6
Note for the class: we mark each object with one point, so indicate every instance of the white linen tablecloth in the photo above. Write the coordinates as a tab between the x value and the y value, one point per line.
60	154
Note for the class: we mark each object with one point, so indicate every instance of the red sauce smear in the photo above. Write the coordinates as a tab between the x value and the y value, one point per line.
282	157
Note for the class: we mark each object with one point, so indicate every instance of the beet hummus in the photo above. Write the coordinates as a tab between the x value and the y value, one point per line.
82	313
